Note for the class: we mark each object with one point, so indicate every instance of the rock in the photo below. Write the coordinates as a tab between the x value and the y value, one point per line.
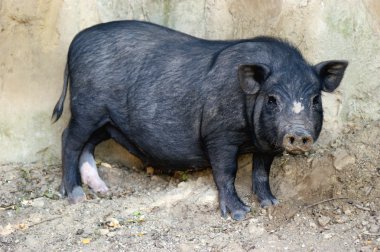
323	221
342	159
234	246
209	197
106	165
373	228
313	225
255	229
186	247
103	231
340	219
347	210
328	236
38	203
150	170
112	222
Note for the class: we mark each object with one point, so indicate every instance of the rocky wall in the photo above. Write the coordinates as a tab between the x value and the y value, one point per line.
35	35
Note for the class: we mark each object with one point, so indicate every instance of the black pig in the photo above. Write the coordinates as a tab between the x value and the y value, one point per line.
179	102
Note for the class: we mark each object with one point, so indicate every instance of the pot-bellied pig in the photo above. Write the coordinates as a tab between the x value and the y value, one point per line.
179	102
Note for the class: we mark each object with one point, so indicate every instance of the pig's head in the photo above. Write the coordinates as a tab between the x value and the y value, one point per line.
287	113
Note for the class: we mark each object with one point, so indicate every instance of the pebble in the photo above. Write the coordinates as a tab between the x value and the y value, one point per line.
112	222
323	220
150	170
103	231
255	229
186	247
38	203
234	246
347	211
342	159
209	197
106	165
373	228
328	236
313	225
340	219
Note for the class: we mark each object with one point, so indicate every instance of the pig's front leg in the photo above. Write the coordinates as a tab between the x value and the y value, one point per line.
260	179
223	160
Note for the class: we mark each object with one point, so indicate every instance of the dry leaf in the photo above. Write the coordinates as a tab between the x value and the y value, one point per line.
22	226
86	240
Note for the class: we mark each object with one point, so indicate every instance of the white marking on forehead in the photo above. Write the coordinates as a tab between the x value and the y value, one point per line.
297	107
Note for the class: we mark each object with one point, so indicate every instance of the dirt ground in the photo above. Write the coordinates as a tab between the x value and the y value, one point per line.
329	201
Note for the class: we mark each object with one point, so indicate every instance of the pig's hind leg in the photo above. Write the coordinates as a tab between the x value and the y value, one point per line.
87	163
74	139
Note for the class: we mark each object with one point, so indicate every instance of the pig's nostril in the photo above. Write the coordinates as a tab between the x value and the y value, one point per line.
291	140
307	140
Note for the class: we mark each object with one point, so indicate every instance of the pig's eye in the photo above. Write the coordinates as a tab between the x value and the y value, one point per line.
316	100
272	100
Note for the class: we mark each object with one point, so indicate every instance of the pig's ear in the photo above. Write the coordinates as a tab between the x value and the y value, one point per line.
251	76
331	73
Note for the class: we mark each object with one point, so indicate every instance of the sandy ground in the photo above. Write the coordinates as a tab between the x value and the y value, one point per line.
330	201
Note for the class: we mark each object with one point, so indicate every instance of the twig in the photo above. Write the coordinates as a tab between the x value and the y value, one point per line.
375	234
323	201
369	191
2	208
362	207
47	220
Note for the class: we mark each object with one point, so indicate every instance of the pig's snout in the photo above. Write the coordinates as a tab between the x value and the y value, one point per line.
297	143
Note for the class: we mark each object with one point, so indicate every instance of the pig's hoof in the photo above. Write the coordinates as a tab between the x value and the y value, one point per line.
62	190
77	195
237	213
269	202
240	214
98	186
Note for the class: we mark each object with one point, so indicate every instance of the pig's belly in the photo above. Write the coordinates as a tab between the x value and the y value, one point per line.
171	149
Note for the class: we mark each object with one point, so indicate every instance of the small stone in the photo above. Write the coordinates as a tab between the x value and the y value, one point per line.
158	179
342	159
150	170
255	230
323	221
210	197
373	228
111	234
186	247
112	222
38	203
103	231
347	210
340	219
106	165
313	225
234	246
80	231
328	236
